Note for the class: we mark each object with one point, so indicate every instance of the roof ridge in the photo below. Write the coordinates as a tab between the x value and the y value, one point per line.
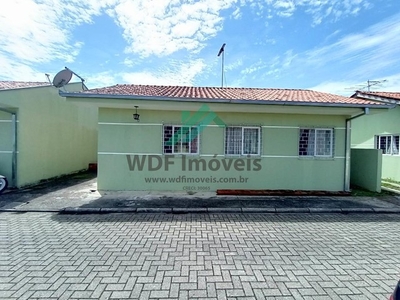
209	87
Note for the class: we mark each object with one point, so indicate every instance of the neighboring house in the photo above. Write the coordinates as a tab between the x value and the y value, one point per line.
204	139
380	131
41	135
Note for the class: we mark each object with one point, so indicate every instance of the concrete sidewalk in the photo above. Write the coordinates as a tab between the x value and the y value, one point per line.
78	194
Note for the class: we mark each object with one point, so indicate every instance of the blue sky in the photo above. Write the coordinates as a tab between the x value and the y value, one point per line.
327	45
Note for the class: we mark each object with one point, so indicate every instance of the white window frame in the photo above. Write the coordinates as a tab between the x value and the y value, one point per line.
392	141
242	148
315	154
181	142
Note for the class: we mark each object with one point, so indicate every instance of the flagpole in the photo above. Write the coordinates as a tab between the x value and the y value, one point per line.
222	68
222	51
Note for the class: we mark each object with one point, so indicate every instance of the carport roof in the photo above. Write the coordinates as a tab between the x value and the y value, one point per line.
9	85
264	95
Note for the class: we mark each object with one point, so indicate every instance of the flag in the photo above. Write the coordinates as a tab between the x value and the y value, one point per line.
221	50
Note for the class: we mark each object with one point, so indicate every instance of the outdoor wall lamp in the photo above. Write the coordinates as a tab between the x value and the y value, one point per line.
136	116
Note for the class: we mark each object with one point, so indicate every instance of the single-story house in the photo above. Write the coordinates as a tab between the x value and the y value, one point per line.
41	135
381	131
207	138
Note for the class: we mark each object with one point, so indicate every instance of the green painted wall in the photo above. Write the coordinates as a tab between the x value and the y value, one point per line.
6	139
363	134
54	137
279	167
366	169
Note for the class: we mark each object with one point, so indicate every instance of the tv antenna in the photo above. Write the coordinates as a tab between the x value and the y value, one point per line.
64	77
48	78
374	82
368	86
222	51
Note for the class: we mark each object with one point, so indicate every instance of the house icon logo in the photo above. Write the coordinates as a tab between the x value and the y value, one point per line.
200	119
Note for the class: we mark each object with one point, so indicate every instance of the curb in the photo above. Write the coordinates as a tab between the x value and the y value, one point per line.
233	210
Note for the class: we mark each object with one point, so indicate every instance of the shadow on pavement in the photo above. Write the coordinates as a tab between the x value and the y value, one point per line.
61	186
230	202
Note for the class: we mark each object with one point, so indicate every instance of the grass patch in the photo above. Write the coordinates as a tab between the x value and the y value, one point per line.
360	192
391	181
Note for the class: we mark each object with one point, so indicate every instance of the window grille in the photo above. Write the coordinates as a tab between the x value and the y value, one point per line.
242	140
181	140
316	142
389	144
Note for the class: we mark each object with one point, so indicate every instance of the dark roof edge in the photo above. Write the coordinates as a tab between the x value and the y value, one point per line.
236	101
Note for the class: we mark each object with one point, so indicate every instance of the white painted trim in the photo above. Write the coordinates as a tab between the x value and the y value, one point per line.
278	156
119	153
6	152
130	124
284	127
303	157
221	155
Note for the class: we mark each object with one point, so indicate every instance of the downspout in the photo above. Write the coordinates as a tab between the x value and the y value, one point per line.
348	148
14	147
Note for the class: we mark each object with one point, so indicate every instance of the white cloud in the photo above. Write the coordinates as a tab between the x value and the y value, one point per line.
285	8
260	65
129	62
375	49
14	70
318	9
101	79
392	84
232	66
167	26
181	74
36	32
347	88
344	88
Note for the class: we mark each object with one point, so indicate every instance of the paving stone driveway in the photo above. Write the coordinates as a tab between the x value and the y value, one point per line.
198	256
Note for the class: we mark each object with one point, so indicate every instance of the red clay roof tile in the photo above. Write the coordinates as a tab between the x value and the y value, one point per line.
227	93
8	85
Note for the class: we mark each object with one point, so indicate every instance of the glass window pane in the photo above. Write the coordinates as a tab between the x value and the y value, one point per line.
307	142
395	145
194	140
250	141
383	144
323	142
168	139
233	140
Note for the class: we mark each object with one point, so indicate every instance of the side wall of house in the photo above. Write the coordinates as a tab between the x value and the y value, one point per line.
6	145
54	137
125	144
364	130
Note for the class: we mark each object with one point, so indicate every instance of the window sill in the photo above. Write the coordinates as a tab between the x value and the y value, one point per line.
316	158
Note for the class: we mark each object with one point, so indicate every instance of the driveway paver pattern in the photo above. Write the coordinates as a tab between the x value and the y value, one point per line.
198	256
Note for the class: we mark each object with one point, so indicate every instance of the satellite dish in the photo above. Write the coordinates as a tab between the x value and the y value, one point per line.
62	78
